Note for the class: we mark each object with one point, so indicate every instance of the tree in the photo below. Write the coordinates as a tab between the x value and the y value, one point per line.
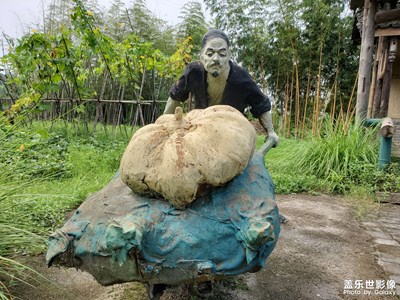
193	24
299	51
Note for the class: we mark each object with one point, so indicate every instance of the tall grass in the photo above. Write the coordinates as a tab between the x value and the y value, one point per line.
341	155
282	163
338	148
46	170
341	159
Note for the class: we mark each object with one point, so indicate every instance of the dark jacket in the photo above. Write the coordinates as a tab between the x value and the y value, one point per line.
240	92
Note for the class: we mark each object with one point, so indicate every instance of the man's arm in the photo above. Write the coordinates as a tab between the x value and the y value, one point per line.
266	122
171	105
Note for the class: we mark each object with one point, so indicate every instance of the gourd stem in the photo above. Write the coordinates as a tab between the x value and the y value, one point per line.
178	113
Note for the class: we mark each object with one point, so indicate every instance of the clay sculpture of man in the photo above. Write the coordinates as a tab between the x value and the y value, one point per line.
216	79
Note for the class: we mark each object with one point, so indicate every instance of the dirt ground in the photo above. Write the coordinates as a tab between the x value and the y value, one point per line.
320	247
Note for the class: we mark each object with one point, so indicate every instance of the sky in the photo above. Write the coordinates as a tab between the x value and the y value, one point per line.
16	15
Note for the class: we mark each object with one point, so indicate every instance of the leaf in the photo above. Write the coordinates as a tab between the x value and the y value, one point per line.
80	108
43	133
56	78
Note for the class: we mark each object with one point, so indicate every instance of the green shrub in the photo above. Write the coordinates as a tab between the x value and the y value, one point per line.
339	148
47	170
341	160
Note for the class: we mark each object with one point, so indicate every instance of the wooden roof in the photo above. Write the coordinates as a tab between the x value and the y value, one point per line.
387	18
360	3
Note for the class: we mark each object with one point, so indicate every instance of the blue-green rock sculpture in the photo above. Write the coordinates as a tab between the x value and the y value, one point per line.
118	236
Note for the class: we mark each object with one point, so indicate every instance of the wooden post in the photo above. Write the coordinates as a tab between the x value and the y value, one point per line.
373	84
388	77
381	58
365	67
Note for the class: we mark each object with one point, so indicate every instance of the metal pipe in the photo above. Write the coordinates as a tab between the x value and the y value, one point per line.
385	152
385	148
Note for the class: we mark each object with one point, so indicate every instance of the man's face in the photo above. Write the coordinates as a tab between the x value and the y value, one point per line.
215	56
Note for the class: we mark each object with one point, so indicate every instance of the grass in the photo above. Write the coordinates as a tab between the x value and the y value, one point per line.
282	163
342	160
47	170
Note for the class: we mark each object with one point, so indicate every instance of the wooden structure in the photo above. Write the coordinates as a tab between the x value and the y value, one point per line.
105	111
377	27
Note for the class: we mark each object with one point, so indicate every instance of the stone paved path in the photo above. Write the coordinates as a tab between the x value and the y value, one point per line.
385	230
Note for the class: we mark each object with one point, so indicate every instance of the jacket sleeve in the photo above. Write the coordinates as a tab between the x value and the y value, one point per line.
180	89
256	99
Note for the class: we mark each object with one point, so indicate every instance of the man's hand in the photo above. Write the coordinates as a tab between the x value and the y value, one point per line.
266	122
272	135
171	106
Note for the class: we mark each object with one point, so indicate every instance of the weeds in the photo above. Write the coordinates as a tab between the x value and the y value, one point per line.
47	171
342	160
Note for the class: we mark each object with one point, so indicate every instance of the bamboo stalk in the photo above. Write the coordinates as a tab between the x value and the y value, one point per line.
333	106
291	102
286	104
275	108
350	113
298	108
317	95
306	103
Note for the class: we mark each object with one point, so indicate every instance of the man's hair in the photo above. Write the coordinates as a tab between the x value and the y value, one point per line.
213	34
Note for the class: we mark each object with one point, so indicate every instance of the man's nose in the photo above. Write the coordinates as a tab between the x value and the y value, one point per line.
215	57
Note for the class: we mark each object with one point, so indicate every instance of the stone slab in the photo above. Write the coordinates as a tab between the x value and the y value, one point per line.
379	234
390	259
389	241
390	268
388	249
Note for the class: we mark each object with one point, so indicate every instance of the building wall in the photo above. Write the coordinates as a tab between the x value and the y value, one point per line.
394	100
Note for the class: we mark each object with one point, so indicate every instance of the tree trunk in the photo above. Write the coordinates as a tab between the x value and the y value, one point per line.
367	49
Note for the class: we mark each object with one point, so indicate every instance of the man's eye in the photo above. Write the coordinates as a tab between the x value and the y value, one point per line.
209	54
222	54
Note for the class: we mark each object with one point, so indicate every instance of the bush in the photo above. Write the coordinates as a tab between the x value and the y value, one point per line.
340	160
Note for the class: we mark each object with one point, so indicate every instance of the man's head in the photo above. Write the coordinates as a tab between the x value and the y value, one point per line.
215	54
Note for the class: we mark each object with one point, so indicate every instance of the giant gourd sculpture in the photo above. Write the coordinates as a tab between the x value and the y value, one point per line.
154	225
179	155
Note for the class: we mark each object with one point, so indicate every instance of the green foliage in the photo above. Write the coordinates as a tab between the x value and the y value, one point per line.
342	160
27	155
288	178
84	60
48	170
339	147
193	24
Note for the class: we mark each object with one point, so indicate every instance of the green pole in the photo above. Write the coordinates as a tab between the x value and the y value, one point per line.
384	152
